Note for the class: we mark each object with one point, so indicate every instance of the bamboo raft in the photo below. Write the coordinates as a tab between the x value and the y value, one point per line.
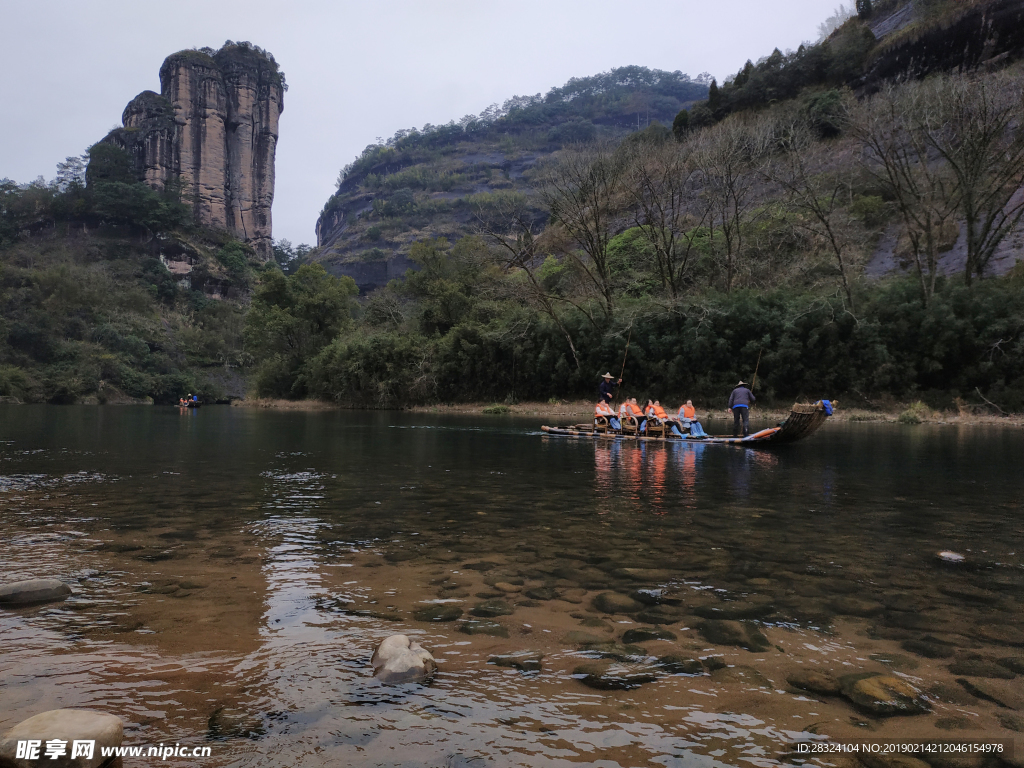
803	420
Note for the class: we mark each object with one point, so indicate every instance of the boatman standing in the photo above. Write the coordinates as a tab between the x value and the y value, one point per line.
739	403
606	392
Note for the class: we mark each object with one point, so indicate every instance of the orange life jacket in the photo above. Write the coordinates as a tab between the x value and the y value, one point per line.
688	411
603	409
660	412
635	410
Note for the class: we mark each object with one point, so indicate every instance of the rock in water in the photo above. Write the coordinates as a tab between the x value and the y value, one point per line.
614	677
610	602
741	634
524	661
33	591
979	667
883	695
437	612
814	681
680	665
644	634
954	558
491	609
483	627
68	725
399	660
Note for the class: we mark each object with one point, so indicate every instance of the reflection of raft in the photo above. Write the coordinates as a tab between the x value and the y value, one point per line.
803	420
190	404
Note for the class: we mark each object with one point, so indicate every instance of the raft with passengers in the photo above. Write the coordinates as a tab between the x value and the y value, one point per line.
652	422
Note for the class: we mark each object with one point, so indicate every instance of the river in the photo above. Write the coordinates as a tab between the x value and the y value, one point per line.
234	569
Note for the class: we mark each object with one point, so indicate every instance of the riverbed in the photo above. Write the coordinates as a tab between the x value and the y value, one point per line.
234	569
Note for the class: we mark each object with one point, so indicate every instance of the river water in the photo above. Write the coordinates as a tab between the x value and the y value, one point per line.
234	569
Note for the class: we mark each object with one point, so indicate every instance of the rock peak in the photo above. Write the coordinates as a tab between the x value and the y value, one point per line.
213	129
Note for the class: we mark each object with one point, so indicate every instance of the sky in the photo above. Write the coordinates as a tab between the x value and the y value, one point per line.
356	71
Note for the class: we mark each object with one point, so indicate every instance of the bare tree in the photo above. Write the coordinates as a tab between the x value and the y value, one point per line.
725	156
508	227
814	188
977	127
662	185
580	190
898	154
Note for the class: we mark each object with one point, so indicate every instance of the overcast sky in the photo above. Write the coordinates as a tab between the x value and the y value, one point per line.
355	71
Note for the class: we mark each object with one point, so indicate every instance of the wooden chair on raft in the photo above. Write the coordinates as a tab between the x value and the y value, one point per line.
630	425
654	429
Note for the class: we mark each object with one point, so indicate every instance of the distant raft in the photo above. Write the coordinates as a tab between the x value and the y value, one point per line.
803	420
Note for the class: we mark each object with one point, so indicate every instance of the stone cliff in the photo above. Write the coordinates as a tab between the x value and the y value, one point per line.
212	129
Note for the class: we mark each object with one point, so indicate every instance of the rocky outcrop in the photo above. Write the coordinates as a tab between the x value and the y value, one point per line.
212	129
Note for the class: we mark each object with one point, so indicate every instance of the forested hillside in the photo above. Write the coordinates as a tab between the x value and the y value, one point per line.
748	230
432	181
110	293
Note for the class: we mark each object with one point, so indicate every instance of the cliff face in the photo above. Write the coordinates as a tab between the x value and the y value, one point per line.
212	129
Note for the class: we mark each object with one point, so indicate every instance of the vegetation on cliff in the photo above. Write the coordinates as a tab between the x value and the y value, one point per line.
89	310
431	181
742	232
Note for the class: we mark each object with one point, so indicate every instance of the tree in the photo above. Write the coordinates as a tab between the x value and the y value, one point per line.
509	227
864	9
814	188
681	124
580	190
290	320
109	163
71	173
725	157
661	183
897	155
975	126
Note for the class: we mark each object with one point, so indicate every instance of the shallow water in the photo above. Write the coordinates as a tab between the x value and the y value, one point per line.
234	569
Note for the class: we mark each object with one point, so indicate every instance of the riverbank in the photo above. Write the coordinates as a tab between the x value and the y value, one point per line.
913	413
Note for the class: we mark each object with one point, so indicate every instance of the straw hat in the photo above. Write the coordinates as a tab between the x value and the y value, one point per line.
607	376
742	384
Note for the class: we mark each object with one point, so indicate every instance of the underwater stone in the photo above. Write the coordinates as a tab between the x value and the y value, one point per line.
883	695
33	591
611	602
741	634
437	612
815	681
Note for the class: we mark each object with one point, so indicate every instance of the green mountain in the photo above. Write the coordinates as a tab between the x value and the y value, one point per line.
436	181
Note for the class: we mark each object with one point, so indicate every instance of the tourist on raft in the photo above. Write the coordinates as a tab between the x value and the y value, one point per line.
630	410
606	390
657	412
687	418
604	411
739	403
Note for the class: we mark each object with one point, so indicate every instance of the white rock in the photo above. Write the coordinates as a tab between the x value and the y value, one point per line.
33	591
399	660
68	725
950	557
